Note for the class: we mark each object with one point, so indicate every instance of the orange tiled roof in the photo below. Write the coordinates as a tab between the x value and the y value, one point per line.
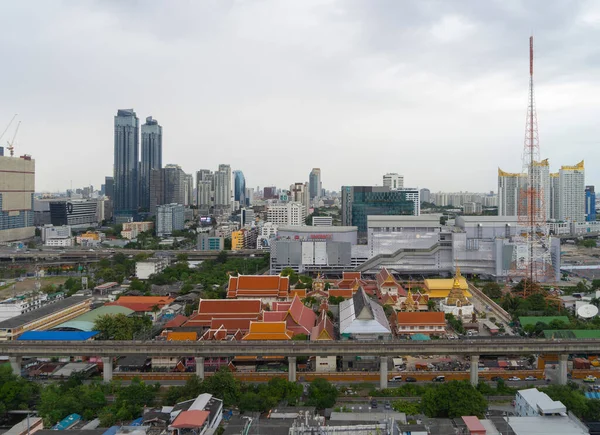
345	293
301	292
268	331
142	304
258	286
421	318
231	324
209	309
351	275
182	336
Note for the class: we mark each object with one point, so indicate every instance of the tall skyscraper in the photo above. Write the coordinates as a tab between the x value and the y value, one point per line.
425	195
151	157
189	190
393	180
590	204
175	180
554	195
572	193
509	189
541	175
126	165
239	188
157	189
314	183
17	186
223	187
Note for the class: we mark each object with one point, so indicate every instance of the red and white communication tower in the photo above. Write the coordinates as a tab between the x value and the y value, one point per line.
532	258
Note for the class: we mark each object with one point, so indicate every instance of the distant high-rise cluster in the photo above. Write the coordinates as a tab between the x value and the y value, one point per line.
562	194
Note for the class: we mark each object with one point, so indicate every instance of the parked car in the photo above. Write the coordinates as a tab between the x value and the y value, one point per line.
514	378
396	378
410	379
495	378
531	378
387	405
439	378
590	379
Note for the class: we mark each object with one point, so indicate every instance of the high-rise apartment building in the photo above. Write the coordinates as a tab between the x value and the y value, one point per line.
157	189
358	202
572	193
509	188
126	163
425	195
270	192
223	187
239	188
543	203
175	180
590	204
393	180
151	157
169	218
17	186
314	183
188	190
291	213
554	195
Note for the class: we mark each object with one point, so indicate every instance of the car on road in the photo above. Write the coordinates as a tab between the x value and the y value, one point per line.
410	379
531	378
514	378
387	405
373	403
396	378
590	379
495	378
439	379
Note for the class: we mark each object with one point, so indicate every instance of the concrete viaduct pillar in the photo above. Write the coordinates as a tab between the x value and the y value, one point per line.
292	368
200	367
15	365
107	370
474	370
562	369
383	372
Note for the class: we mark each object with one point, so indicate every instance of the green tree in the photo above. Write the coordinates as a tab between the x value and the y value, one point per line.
453	399
570	396
492	290
322	394
182	258
409	408
224	386
15	392
291	273
300	337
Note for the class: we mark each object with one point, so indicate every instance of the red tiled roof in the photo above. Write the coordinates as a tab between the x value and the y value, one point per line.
323	329
421	318
258	286
301	292
209	309
231	324
190	419
274	316
346	293
302	316
281	306
176	322
351	275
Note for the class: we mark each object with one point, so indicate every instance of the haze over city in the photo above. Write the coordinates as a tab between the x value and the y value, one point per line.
434	90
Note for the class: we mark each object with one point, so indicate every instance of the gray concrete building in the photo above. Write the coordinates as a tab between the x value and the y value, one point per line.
310	256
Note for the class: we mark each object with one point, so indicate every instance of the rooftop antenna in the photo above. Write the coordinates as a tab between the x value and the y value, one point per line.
8	126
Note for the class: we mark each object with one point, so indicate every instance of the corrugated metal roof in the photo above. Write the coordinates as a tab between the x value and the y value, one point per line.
85	322
349	324
57	335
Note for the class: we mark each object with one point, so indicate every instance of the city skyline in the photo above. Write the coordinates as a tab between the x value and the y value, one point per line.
336	87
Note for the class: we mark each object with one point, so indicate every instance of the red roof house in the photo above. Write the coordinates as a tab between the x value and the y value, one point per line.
421	322
323	330
386	283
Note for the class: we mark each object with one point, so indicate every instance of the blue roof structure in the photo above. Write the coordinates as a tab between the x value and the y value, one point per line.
137	422
67	422
57	335
112	430
592	395
420	337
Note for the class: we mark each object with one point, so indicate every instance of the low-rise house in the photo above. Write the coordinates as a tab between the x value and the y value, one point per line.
420	322
151	306
532	402
267	288
209	309
198	416
387	284
324	330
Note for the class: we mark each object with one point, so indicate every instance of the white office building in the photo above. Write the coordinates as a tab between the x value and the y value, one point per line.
393	181
144	269
509	187
322	221
59	236
572	193
292	213
413	195
532	403
169	218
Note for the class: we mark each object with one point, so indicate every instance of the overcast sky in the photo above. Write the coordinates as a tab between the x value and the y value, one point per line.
434	90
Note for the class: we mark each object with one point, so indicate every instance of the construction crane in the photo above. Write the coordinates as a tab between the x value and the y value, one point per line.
8	126
11	144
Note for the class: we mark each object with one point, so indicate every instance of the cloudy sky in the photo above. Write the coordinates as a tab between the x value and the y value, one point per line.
434	90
